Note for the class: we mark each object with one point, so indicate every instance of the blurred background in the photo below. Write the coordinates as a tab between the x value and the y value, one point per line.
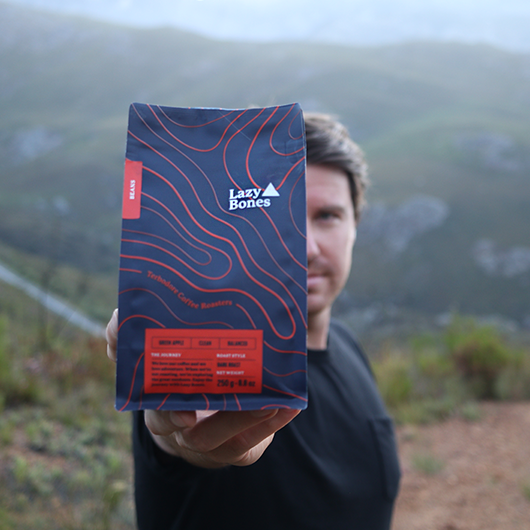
437	92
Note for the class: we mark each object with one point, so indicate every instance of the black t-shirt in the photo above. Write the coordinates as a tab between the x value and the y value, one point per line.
335	466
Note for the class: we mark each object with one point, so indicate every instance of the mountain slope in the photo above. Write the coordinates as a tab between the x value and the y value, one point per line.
446	129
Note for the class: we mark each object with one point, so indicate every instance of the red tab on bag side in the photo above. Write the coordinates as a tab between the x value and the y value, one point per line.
191	361
132	189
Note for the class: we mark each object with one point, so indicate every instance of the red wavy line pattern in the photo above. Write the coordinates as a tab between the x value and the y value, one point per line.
210	242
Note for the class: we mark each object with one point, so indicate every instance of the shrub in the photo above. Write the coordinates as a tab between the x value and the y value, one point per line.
442	375
17	385
514	380
422	410
479	354
470	411
394	380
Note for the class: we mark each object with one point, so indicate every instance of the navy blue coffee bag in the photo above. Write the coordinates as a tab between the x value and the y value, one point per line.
213	264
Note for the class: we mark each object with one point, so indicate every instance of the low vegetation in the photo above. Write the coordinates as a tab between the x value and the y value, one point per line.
439	375
64	449
427	464
65	452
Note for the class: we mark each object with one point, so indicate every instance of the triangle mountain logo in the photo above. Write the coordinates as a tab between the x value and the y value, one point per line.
270	191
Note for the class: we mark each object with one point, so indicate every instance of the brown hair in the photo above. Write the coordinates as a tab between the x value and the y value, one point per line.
329	144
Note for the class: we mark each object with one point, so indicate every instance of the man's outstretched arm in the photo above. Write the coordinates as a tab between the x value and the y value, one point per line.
207	439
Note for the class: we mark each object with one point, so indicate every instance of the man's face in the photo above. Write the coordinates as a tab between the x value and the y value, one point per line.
330	235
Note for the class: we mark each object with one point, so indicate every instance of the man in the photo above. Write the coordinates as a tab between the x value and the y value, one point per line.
332	466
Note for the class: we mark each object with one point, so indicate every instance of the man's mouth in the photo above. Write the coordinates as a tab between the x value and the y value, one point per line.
313	279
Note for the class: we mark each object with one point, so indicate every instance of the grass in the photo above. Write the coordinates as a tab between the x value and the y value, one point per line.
427	463
525	488
64	450
93	293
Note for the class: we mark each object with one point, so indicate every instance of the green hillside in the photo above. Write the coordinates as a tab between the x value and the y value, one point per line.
446	122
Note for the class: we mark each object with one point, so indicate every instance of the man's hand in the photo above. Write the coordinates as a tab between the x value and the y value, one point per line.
209	439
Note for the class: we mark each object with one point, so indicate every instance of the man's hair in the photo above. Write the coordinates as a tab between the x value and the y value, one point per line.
329	144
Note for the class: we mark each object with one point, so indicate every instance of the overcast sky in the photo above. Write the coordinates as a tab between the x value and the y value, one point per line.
504	23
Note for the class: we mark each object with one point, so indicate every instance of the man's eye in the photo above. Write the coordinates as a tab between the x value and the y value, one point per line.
328	216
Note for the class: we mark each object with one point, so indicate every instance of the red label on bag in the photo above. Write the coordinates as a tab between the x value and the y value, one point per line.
203	361
132	189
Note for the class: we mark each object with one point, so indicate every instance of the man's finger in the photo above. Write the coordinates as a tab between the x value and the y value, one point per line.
249	445
112	335
166	422
214	431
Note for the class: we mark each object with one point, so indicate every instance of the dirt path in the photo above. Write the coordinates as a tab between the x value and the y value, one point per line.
467	475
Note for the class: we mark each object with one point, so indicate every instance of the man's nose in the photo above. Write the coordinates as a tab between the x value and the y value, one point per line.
313	249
